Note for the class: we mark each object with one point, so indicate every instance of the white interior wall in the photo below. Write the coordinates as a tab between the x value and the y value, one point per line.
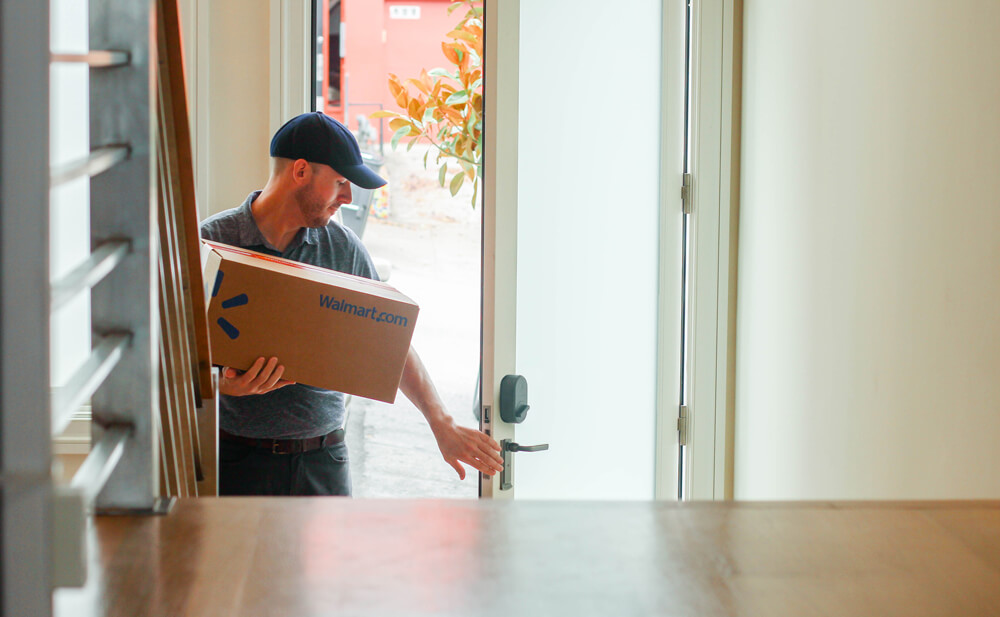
869	296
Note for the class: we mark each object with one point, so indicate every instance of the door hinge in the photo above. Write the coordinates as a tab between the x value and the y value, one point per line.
682	426
686	202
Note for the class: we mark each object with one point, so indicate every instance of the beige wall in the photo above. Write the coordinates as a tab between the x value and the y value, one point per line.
249	71
869	261
231	101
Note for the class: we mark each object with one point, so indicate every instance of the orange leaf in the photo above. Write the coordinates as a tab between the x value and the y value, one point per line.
419	85
403	100
414	109
451	52
478	47
463	35
397	123
398	91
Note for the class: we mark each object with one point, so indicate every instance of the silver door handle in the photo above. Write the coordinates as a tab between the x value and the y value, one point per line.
508	447
511	446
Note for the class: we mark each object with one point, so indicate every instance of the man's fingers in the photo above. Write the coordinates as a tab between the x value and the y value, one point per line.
251	373
494	458
482	458
491	462
472	447
485	448
484	468
274	377
458	467
486	440
490	459
263	374
491	451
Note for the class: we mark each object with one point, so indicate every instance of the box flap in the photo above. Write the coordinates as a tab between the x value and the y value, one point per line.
307	271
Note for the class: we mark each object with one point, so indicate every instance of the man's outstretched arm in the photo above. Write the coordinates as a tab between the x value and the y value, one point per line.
458	444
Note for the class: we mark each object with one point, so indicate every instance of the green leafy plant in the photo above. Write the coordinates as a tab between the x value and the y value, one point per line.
445	106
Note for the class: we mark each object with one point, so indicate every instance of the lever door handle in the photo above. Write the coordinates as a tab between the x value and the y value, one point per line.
511	446
508	447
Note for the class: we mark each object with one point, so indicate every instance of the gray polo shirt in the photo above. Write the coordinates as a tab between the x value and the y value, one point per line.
296	411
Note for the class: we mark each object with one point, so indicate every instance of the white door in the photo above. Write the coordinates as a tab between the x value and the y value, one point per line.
583	243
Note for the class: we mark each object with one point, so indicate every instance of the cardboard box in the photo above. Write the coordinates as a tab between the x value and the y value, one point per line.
329	329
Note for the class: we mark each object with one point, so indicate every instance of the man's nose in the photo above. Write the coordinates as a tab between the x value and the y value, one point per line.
345	192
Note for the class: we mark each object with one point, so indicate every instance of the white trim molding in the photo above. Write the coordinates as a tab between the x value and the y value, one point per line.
500	200
291	58
196	20
76	439
715	75
668	369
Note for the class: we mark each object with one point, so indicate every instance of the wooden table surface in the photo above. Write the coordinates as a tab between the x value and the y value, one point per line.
328	556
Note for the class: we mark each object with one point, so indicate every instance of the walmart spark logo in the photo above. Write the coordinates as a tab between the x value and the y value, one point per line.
230	330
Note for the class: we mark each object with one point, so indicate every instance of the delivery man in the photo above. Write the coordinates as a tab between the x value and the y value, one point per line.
283	438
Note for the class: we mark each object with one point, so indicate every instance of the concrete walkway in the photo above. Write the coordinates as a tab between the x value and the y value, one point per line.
432	241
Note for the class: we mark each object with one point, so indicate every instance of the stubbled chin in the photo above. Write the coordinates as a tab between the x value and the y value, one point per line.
321	220
323	217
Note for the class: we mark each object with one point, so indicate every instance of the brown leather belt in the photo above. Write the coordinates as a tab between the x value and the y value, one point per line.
287	446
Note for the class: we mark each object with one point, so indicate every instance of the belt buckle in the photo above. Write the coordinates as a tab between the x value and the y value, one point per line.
276	447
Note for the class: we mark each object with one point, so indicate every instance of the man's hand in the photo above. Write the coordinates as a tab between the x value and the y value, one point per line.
459	444
260	378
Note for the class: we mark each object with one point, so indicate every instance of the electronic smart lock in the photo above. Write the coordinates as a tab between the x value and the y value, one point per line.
513	409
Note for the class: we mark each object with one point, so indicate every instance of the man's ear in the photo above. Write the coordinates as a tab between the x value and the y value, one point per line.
301	170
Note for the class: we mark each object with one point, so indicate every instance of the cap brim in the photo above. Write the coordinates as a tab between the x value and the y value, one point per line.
362	176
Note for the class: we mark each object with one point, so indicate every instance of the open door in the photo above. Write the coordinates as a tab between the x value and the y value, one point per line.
582	246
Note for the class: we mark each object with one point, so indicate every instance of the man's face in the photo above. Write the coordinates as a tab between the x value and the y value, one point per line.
323	196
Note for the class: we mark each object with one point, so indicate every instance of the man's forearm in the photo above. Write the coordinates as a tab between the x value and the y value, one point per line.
417	386
458	444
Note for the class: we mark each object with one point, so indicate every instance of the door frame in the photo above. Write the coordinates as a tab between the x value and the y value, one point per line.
716	58
716	86
671	284
499	242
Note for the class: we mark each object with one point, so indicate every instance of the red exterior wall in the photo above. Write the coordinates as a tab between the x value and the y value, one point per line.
376	45
412	45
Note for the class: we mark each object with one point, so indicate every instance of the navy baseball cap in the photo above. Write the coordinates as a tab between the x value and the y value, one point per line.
318	138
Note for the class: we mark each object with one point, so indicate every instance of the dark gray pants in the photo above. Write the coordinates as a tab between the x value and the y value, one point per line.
249	470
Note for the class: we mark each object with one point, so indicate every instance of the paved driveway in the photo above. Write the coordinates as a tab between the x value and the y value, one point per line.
432	242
